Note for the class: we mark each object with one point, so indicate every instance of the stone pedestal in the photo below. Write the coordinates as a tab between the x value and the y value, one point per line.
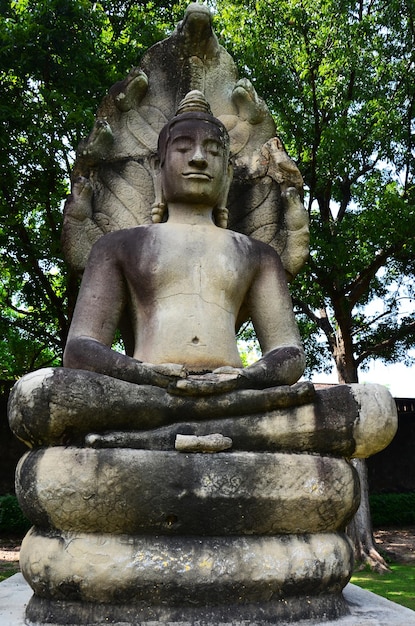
142	492
365	608
127	535
172	537
99	578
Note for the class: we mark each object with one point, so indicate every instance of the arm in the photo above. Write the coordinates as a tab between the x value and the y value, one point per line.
100	303
270	307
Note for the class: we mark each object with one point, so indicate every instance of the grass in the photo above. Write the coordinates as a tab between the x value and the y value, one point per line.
8	569
398	585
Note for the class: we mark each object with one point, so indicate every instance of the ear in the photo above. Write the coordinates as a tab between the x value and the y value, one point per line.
159	207
220	212
226	186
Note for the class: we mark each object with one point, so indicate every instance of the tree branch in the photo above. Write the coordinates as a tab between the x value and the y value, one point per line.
360	285
379	347
321	321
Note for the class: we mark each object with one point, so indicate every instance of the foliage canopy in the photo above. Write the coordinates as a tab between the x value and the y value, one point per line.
339	78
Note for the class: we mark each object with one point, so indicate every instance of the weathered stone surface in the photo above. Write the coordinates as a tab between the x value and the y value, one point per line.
177	571
206	443
364	608
286	611
378	419
140	491
346	420
60	406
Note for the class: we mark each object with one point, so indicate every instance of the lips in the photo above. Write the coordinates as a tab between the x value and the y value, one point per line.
197	175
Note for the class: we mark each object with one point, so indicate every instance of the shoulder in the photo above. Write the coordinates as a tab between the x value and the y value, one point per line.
259	250
120	241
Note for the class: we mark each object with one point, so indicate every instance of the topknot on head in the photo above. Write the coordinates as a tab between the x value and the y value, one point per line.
194	101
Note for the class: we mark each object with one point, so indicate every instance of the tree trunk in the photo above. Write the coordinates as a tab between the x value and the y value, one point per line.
360	528
344	359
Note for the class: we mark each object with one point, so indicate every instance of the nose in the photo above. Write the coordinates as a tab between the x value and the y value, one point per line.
198	159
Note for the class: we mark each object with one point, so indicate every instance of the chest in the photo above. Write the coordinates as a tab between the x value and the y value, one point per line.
207	262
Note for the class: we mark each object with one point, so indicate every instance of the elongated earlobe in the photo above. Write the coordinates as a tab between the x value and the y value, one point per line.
220	212
159	207
158	211
220	216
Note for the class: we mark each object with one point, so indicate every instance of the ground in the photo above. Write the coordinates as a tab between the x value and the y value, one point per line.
9	555
396	545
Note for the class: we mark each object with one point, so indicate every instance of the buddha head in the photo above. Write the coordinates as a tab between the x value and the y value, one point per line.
193	151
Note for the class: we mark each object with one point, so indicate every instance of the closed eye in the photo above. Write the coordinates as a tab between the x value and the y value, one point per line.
213	147
182	144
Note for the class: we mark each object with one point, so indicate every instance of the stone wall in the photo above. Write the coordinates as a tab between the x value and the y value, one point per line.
392	470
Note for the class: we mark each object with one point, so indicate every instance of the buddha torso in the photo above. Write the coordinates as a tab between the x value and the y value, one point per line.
186	285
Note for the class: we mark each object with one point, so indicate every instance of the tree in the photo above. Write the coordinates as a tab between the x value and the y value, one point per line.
339	76
57	58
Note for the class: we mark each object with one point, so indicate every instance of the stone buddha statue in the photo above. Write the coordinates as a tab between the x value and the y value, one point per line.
188	284
170	484
184	286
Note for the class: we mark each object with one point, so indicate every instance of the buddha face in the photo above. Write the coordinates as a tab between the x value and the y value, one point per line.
195	169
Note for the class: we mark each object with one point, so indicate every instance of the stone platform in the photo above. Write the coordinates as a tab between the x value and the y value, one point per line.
366	609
